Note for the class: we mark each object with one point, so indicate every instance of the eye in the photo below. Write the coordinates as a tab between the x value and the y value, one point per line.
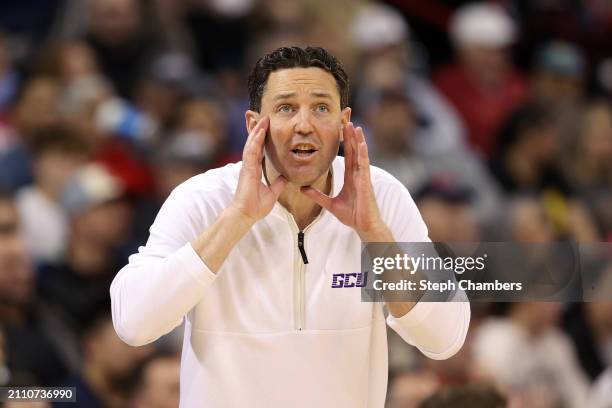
284	108
322	108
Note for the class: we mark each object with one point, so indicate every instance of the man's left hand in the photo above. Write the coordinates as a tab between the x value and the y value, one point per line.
355	206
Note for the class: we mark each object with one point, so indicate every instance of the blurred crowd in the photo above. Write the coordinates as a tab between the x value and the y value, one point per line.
496	116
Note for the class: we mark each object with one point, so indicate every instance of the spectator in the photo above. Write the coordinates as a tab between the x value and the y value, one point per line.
157	385
57	154
393	121
589	324
37	108
482	84
109	365
590	327
527	221
33	358
558	82
34	111
171	78
389	59
117	33
527	355
473	396
408	389
589	155
70	61
199	142
99	222
445	206
526	160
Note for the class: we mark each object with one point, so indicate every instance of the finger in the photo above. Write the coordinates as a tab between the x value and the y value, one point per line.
350	164
278	185
318	197
349	148
363	156
253	151
262	124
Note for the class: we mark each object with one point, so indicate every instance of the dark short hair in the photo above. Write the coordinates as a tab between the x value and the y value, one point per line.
57	138
295	57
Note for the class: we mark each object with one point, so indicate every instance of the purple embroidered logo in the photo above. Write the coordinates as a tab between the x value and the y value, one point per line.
349	280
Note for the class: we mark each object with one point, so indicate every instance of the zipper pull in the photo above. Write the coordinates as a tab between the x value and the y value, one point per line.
301	247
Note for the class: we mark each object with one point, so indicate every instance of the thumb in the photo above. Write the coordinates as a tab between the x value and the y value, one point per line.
318	197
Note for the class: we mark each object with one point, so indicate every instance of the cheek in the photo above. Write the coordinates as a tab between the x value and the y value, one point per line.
278	135
331	136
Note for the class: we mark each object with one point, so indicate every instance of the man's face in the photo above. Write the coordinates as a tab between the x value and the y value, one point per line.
162	384
305	123
16	275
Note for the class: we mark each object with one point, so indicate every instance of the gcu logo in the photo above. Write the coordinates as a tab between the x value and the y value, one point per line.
349	280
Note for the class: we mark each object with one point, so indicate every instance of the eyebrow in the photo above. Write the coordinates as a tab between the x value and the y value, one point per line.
287	95
321	94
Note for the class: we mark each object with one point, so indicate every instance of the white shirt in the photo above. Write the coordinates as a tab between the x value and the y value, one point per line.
268	330
45	224
534	368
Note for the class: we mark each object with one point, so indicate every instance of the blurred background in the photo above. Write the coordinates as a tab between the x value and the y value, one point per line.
495	115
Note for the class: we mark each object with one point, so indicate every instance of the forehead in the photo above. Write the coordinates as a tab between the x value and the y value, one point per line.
301	81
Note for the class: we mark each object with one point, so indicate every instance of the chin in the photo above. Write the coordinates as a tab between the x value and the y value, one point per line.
301	175
301	181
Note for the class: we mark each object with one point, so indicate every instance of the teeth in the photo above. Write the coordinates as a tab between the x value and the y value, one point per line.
303	147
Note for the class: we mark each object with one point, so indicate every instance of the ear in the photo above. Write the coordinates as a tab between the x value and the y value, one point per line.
345	117
251	119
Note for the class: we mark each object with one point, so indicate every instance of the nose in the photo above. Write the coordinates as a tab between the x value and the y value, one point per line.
303	123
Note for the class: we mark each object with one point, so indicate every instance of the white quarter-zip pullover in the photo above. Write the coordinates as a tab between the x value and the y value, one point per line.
268	330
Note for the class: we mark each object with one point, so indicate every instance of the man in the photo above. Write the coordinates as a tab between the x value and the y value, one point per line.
57	154
109	368
246	255
482	84
158	382
32	353
98	220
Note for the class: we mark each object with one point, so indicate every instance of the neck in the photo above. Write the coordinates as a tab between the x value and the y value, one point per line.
302	208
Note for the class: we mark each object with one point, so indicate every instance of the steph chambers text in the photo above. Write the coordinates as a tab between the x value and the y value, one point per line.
449	285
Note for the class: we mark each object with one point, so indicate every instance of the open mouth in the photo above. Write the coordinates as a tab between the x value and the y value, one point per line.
304	150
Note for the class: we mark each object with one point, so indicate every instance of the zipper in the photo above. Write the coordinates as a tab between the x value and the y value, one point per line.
301	247
300	262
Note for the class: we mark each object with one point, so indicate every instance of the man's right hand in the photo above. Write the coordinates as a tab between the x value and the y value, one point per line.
254	199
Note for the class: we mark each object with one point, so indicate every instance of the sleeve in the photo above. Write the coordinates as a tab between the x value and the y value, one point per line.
437	329
164	279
